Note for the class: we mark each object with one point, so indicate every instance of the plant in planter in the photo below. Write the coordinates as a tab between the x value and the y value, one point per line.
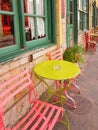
74	54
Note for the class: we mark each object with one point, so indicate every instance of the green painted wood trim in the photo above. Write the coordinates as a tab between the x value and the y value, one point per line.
53	20
6	12
16	24
46	16
9	56
49	18
88	14
75	22
22	24
32	15
35	21
68	24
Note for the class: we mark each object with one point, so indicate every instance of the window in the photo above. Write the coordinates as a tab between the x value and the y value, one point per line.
82	14
7	29
35	19
24	25
71	12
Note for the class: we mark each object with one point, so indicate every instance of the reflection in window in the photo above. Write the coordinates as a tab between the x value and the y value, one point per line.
85	21
80	20
6	5
28	6
40	7
35	23
41	28
82	14
80	4
29	28
6	31
71	12
71	18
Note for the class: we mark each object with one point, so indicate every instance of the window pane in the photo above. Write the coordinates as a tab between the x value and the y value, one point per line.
85	21
80	20
6	31
39	7
80	4
71	18
6	5
41	27
85	6
29	28
28	6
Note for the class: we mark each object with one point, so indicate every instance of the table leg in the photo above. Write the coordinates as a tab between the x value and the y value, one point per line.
62	88
71	99
50	91
72	85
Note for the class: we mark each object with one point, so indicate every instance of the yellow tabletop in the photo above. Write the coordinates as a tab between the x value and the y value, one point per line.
57	69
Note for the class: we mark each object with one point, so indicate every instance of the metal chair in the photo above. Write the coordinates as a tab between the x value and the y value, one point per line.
42	115
90	44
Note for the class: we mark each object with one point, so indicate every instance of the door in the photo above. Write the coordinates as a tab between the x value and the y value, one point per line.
69	23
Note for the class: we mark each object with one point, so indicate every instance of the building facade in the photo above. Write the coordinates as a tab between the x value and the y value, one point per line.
30	29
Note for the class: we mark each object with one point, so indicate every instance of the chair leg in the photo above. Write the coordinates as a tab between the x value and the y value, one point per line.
74	85
71	99
73	105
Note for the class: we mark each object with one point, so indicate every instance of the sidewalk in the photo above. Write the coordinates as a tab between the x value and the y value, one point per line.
85	116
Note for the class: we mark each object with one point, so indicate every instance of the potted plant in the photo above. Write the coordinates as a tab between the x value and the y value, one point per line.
74	54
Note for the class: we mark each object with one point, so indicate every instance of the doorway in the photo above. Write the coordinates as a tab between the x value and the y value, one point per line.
70	23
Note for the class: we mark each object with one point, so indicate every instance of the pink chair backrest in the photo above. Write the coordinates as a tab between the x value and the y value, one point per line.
56	54
13	87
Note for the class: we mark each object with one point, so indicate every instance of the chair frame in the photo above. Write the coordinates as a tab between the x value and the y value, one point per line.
41	116
89	43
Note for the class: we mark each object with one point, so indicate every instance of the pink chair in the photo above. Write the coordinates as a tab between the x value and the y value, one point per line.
90	45
58	55
42	115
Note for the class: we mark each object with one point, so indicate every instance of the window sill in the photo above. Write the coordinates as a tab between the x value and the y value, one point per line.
37	52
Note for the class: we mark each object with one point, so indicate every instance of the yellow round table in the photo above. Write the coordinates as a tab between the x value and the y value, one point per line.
57	69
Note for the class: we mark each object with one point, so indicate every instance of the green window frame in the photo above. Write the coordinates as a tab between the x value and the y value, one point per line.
83	14
12	13
94	14
22	45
